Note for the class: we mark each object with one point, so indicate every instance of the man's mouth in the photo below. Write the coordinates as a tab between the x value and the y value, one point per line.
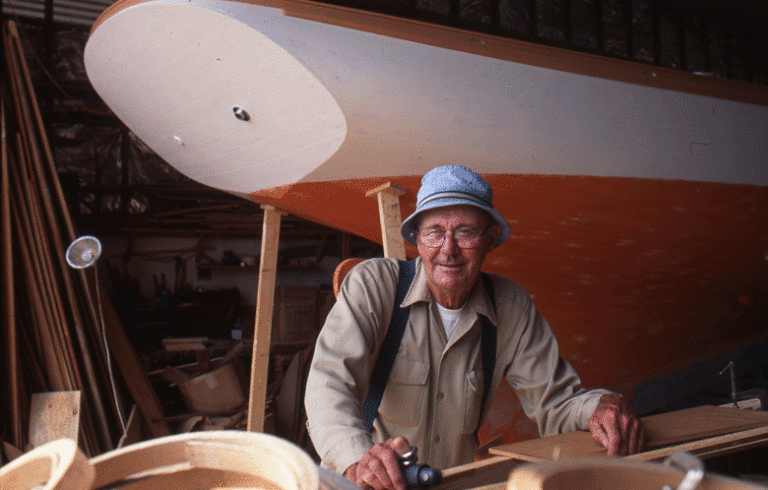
451	266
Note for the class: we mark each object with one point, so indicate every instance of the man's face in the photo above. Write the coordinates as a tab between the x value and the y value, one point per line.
453	271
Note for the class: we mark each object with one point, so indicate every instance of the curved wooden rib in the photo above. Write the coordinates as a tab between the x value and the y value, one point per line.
58	465
605	474
208	459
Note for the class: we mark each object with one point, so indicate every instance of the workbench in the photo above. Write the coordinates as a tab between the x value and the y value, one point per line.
705	432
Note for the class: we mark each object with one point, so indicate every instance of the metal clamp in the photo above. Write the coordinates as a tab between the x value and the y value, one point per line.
691	464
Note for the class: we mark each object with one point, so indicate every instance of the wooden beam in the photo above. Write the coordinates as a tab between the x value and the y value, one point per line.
262	332
9	309
46	215
390	216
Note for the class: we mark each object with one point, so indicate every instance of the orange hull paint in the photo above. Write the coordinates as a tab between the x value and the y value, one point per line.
636	277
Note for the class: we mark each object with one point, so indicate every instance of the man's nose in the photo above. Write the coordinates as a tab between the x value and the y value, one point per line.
450	245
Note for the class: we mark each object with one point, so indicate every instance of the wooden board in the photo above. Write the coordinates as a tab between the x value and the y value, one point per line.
661	430
487	473
604	474
53	416
270	238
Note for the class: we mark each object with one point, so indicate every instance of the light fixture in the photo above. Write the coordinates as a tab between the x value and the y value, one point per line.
83	252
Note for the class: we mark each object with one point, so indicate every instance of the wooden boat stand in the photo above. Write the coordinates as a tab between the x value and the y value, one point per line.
388	198
262	332
390	216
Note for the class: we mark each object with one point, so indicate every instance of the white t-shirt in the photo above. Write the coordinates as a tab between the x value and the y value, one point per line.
449	317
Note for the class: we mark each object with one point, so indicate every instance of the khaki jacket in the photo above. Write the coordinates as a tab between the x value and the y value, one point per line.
436	384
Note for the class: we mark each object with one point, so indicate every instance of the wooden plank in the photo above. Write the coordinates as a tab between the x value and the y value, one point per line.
35	138
56	372
185	344
711	446
390	217
9	308
265	302
661	430
596	474
48	283
698	423
487	473
53	416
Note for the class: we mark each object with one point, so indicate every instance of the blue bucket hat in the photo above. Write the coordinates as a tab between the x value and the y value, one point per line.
453	185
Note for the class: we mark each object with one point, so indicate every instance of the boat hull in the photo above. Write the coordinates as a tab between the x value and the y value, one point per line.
638	196
637	277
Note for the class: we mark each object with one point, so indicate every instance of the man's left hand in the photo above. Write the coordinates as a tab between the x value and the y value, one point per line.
615	426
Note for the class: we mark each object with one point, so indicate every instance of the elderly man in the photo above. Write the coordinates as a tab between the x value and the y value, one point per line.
462	332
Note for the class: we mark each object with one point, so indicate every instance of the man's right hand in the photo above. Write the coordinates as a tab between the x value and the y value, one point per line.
379	468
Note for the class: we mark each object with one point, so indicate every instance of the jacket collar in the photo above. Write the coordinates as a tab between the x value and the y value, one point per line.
478	301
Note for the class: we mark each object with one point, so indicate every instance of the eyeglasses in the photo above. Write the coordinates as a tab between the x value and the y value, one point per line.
465	237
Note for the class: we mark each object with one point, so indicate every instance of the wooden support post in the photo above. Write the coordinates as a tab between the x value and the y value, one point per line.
262	332
388	197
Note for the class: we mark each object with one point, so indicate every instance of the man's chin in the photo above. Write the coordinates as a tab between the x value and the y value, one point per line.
450	281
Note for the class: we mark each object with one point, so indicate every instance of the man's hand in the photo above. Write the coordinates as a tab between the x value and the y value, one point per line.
379	468
615	426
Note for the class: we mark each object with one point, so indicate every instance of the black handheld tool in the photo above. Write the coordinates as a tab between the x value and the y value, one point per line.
418	475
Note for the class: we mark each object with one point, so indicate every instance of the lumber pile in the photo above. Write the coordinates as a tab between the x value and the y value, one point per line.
53	333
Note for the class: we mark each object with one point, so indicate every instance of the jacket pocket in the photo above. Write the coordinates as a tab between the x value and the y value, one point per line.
473	394
405	392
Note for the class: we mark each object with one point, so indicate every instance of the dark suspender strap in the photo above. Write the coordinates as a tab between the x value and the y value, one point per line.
389	346
487	345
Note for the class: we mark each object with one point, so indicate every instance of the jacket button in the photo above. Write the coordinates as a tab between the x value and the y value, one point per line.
437	438
440	395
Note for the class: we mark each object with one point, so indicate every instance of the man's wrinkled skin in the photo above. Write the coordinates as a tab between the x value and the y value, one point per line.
615	426
379	469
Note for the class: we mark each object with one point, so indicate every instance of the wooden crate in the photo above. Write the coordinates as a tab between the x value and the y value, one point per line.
295	313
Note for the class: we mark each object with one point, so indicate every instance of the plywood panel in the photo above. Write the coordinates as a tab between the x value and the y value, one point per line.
54	416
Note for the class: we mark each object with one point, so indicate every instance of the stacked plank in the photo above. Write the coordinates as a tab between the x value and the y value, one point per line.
51	321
